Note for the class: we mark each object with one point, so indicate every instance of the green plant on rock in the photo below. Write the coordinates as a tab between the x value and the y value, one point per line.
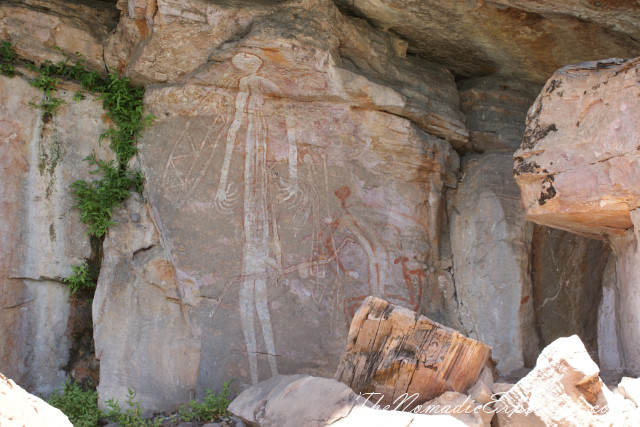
130	417
81	406
80	279
7	58
96	199
212	407
48	85
123	104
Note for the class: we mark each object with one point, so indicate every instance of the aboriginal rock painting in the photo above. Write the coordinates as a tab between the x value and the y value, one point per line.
278	176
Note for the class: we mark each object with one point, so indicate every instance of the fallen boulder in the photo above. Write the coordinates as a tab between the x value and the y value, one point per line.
400	356
19	408
302	400
563	389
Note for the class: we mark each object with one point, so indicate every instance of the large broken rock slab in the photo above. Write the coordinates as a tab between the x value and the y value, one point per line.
563	389
393	352
142	336
526	39
40	233
578	168
19	408
578	163
491	244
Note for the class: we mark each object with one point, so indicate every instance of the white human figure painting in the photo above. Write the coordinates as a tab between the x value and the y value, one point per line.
261	240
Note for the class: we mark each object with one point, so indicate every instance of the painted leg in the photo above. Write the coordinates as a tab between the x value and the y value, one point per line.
263	313
246	316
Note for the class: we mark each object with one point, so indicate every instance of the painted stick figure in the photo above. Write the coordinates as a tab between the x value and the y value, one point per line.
257	259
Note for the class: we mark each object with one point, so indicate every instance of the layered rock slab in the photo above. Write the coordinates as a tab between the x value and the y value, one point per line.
495	109
403	359
524	39
40	235
54	29
578	165
165	41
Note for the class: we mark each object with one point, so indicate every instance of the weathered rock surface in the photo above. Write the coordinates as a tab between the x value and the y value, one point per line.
609	358
50	29
285	194
491	244
325	55
40	235
301	400
393	352
567	275
20	409
563	389
627	298
578	170
578	165
526	39
495	110
142	336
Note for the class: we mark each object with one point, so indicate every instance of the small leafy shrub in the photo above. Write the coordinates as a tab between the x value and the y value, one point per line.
96	199
130	417
213	406
81	406
7	58
79	279
123	104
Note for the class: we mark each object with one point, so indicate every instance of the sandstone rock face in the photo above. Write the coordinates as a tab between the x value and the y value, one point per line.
495	110
518	38
609	358
403	357
285	192
19	408
579	161
563	389
40	236
567	276
50	29
325	55
142	335
627	316
578	170
491	243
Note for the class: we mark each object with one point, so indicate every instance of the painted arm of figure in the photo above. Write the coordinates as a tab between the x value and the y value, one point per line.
226	194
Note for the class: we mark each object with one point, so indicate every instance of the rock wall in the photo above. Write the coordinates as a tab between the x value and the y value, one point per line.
40	234
491	246
302	159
